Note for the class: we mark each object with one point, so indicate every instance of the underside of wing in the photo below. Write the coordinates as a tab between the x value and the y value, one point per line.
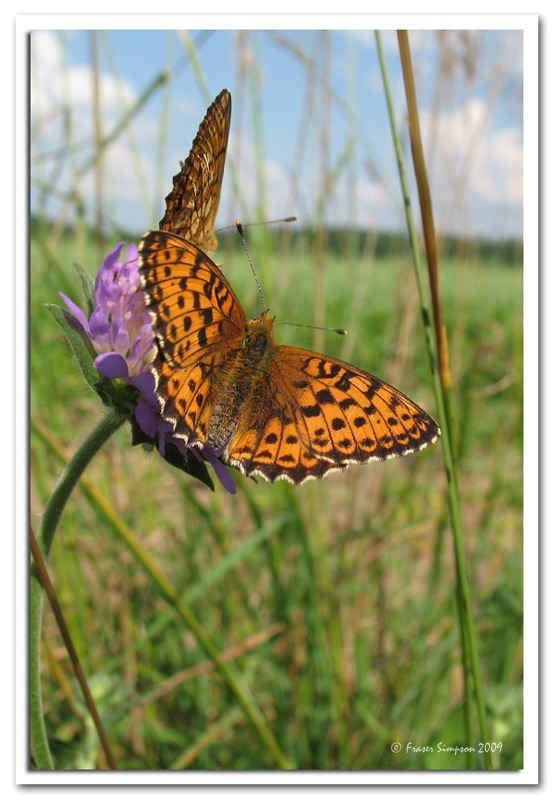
191	206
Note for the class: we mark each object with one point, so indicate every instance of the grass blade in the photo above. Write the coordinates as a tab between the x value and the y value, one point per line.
467	624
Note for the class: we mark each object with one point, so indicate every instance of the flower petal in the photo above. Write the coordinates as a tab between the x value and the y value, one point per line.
77	312
131	256
146	418
121	341
105	271
223	475
112	365
146	384
99	327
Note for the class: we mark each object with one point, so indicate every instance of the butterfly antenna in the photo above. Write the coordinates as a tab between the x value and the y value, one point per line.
340	331
263	222
270	221
243	237
297	324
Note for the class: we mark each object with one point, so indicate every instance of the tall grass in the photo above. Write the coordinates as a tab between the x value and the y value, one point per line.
334	602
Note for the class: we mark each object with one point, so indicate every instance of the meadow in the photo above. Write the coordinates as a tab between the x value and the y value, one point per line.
309	627
335	600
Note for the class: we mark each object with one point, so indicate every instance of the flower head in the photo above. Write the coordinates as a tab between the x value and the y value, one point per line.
120	323
120	330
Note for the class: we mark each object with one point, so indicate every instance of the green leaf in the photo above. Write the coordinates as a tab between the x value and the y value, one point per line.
79	341
87	286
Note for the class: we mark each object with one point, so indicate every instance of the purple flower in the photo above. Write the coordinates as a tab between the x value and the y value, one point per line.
120	324
120	329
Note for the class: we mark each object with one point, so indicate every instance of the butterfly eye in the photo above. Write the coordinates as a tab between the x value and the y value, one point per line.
256	342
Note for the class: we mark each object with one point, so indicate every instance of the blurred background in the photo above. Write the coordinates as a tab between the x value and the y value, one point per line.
335	601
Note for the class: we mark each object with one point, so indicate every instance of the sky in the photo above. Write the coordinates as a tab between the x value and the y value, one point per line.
309	116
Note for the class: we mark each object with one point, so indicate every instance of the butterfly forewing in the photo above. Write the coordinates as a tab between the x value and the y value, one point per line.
191	206
193	308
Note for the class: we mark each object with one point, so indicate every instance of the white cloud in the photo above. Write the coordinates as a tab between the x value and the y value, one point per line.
62	122
472	167
54	84
499	168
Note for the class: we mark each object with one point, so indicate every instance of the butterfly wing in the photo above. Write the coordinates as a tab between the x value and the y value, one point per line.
326	414
198	322
268	443
191	206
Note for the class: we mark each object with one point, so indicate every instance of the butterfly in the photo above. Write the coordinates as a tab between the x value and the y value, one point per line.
192	204
267	409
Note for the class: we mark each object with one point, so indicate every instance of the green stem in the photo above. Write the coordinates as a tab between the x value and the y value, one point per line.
467	624
45	535
106	511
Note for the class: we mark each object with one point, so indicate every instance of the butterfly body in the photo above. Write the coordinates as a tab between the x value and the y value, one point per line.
268	409
242	380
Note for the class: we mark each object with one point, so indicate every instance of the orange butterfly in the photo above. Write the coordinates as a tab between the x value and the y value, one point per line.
191	206
268	409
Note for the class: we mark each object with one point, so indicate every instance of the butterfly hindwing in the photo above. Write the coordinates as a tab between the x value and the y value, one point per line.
272	447
186	394
323	415
349	415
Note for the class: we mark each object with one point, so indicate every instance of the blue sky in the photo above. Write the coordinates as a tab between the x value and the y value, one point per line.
470	106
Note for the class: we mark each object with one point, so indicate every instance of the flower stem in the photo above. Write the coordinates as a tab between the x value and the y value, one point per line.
106	512
45	536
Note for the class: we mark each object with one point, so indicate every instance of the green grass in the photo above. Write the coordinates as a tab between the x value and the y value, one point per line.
357	575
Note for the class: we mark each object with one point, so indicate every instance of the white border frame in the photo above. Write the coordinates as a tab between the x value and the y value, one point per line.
529	25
